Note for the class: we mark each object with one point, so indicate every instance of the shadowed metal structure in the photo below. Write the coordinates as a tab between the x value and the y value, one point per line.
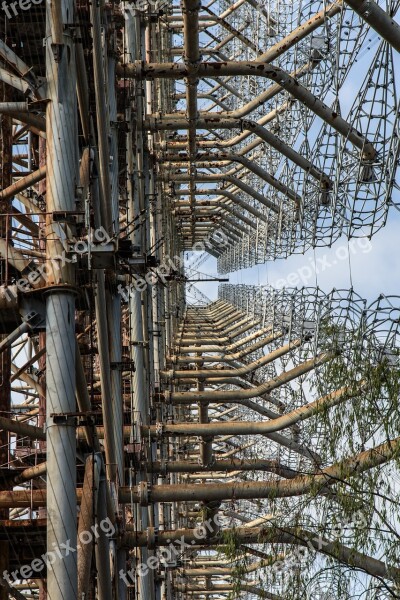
156	448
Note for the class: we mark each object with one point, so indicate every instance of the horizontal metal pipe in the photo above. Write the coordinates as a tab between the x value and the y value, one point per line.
250	427
233	464
239	372
216	211
20	330
192	591
244	326
243	68
22	429
278	185
207	571
252	166
230	142
249	588
6	107
229	347
225	396
30	473
268	137
235	199
266	489
229	325
23	183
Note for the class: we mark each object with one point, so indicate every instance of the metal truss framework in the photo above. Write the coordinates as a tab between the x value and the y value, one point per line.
150	449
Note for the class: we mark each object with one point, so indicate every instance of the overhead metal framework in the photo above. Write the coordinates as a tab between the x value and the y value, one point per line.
156	447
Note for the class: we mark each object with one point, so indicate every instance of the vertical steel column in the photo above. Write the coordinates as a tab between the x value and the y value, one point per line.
42	514
102	549
105	377
114	299
62	168
192	58
86	521
115	312
136	195
152	249
5	357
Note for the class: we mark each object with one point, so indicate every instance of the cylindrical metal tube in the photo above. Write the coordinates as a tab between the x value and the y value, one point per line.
62	174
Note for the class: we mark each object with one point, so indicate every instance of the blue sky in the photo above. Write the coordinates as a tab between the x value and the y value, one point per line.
372	266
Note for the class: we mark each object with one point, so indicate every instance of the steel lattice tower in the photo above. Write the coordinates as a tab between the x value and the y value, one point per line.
157	448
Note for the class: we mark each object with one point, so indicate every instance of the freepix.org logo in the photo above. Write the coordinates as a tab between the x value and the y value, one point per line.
12	9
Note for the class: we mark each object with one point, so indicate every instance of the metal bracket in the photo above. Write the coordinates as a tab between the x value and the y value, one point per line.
159	429
152	537
144	493
163	468
123	366
66	419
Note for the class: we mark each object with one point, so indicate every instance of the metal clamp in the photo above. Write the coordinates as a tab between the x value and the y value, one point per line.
144	493
152	537
159	429
163	468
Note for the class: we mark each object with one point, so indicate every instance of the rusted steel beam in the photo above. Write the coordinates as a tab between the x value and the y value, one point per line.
286	81
23	183
226	396
22	429
30	473
192	58
6	140
301	32
268	137
36	123
250	427
233	464
86	521
203	373
298	486
192	591
28	498
15	82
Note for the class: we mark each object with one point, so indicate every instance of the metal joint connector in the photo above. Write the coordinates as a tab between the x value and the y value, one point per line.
144	493
163	468
138	68
152	537
63	419
159	429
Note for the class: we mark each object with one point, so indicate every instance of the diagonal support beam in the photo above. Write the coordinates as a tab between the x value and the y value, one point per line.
286	81
378	19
